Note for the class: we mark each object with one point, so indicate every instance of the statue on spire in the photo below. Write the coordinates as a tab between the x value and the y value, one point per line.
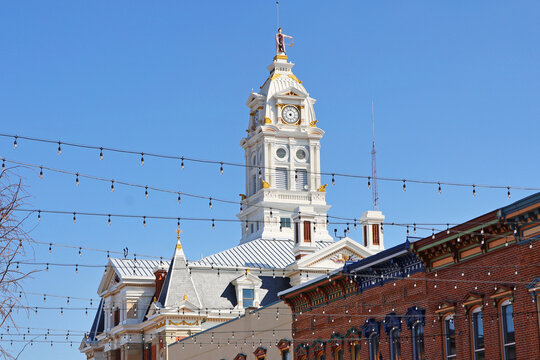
280	42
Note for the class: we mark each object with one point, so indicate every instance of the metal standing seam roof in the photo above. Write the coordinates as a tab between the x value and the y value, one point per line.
263	253
138	268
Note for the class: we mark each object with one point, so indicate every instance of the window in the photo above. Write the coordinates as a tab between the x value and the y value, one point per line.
252	228
365	235
307	231
418	341
282	178
356	351
450	337
478	334
301	180
300	154
285	222
509	340
395	344
375	231
248	297
338	353
373	346
285	354
281	153
253	184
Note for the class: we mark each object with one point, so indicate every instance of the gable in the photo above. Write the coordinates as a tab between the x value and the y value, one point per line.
335	255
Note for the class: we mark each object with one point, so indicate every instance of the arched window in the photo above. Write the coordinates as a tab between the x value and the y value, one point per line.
477	324
395	344
374	346
418	340
355	350
508	335
338	353
449	337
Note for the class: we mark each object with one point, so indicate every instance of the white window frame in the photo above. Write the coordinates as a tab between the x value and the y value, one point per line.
395	340
503	326
482	350
247	281
449	320
416	354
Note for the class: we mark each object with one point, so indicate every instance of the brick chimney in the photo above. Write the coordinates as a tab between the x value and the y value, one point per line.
160	272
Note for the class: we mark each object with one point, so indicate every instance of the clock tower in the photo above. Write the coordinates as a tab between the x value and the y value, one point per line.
284	198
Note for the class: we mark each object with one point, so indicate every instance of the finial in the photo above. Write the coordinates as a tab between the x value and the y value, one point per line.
185	297
178	244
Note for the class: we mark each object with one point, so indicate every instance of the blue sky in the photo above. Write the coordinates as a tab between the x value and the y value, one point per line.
456	87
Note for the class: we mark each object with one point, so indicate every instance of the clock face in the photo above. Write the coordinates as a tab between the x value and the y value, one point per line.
290	114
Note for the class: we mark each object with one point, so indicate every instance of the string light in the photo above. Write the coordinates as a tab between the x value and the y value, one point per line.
182	163
474	190
210	203
404	186
142	159
440	189
41	172
3	165
15	143
213	225
509	195
59	148
179	198
333	180
112	185
146	191
144	221
369	182
74	218
101	153
221	168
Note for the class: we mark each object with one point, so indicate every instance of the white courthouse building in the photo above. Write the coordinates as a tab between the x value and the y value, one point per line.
153	310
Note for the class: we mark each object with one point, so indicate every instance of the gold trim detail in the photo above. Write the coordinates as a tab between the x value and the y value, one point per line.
265	184
242	196
275	76
322	188
184	322
185	297
290	93
281	106
282	57
267	120
292	76
313	123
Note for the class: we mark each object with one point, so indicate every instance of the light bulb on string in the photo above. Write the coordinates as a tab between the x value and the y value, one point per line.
17	266
108	255
474	190
74	218
414	228
433	233
408	232
440	189
447	228
144	221
210	202
77	179
59	148
142	159
3	165
50	247
109	220
146	191
213	225
112	185
404	186
354	224
100	153
41	172
509	195
182	163
369	182
15	142
333	180
80	251
179	198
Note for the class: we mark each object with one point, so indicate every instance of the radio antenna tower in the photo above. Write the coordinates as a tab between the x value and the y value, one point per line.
374	163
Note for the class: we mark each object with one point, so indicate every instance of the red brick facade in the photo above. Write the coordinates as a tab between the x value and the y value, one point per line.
476	265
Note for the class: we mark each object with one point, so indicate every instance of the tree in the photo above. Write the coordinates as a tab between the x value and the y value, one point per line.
13	240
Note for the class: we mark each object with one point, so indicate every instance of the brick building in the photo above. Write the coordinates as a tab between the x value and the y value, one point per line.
468	292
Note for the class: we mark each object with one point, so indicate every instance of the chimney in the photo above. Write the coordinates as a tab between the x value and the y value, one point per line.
160	273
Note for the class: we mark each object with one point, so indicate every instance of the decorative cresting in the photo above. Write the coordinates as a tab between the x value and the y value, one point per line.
415	314
395	269
371	326
392	321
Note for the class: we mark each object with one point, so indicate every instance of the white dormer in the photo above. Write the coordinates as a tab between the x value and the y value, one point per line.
248	290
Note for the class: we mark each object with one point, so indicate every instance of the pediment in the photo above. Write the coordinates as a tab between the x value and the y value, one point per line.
335	255
291	91
247	279
109	280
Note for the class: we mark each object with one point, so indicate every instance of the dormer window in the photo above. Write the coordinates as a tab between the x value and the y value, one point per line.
248	290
